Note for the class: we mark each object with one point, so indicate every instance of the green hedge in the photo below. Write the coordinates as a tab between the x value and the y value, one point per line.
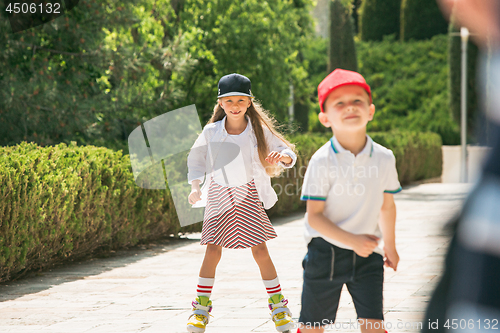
409	83
67	201
418	156
341	50
379	18
421	19
63	201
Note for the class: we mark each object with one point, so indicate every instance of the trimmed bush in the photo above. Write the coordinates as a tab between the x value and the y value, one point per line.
379	18
418	156
342	51
61	202
421	19
289	184
410	86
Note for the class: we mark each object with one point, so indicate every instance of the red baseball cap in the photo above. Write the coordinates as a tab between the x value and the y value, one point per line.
337	79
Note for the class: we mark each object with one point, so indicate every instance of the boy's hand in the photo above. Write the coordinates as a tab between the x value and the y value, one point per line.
275	157
391	257
195	195
364	244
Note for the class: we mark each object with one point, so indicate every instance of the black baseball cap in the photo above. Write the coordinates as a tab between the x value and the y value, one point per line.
234	85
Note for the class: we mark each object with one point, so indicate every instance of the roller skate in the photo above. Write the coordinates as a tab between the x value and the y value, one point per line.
199	318
280	314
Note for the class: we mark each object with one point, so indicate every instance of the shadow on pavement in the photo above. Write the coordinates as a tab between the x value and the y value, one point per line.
91	265
102	262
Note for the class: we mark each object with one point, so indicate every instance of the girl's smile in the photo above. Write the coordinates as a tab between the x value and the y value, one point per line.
235	105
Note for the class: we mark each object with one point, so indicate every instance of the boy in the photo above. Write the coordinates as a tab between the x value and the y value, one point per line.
349	186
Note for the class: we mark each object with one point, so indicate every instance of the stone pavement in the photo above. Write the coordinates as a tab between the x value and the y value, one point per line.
150	288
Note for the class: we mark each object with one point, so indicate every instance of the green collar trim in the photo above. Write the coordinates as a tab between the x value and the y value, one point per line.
394	191
336	151
333	146
310	197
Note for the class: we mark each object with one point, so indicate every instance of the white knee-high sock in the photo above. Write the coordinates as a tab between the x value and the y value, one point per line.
272	286
204	287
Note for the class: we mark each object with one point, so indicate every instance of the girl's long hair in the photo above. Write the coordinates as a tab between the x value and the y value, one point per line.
259	117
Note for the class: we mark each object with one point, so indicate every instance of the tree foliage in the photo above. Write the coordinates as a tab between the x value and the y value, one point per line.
95	73
260	39
379	18
409	82
421	19
341	51
92	74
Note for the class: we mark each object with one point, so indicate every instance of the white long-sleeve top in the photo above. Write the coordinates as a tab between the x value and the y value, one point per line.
206	150
238	168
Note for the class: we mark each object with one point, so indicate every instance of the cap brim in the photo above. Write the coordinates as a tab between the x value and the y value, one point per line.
235	94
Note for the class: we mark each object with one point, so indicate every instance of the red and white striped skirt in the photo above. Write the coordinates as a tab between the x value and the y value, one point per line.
235	218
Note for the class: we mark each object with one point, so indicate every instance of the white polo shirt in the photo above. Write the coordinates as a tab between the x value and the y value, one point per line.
352	187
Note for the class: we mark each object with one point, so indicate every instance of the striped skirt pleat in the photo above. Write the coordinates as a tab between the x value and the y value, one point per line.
235	218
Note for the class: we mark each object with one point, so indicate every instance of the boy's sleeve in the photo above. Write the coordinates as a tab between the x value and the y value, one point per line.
392	184
196	160
316	181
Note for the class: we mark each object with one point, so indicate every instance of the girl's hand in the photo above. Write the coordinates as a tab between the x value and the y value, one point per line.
274	157
194	196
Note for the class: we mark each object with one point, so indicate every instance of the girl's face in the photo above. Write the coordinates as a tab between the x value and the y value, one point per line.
235	107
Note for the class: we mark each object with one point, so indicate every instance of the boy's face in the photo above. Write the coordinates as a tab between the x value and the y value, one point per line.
347	108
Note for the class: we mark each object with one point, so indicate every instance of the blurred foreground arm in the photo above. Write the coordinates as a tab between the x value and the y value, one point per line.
481	17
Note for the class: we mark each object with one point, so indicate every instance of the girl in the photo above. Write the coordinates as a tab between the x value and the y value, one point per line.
239	150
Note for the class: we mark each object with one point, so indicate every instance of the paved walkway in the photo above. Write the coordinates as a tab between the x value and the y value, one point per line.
149	289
